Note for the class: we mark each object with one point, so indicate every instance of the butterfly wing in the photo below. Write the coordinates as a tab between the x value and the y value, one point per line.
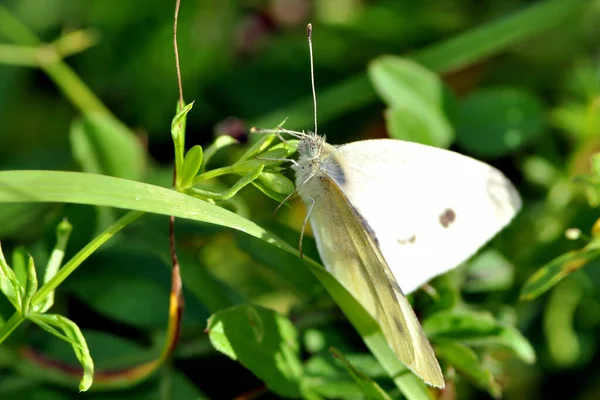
429	209
350	252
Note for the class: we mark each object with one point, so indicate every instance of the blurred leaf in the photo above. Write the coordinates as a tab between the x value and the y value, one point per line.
468	364
415	96
263	341
103	145
496	121
401	82
426	126
23	221
219	143
76	338
488	271
477	329
120	293
559	319
367	386
557	269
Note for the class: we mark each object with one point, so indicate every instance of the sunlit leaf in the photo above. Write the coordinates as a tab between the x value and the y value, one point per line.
556	270
75	337
263	341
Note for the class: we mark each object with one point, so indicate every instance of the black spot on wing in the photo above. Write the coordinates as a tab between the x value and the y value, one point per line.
409	240
447	217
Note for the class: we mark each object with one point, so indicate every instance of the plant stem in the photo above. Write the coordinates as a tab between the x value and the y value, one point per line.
10	326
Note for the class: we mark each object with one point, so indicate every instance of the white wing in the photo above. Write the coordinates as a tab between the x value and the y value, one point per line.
429	209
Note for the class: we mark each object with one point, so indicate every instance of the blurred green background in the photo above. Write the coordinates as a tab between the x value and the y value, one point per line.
524	97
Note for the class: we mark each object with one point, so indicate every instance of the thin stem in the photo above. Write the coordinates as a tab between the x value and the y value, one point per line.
84	253
50	62
10	326
213	174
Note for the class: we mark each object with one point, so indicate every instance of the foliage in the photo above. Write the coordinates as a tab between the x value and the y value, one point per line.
86	189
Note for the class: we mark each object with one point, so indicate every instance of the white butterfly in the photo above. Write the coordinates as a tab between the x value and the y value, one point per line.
389	215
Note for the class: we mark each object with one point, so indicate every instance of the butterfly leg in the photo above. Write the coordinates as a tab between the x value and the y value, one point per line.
310	208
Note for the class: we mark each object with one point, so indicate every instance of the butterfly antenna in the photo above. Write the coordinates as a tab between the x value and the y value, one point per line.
312	72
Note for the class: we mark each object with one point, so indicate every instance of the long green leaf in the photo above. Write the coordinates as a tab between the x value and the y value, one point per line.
100	190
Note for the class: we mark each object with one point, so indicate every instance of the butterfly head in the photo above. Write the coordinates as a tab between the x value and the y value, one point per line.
310	146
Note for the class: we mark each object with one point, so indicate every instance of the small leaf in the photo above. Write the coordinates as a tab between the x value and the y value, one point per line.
263	341
9	284
191	166
63	231
556	270
425	125
19	264
31	286
478	329
277	183
178	134
400	81
103	145
465	360
497	121
367	386
415	97
76	339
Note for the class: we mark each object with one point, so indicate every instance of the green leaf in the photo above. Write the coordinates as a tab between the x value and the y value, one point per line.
191	166
63	231
488	271
466	361
263	341
415	96
102	144
278	183
401	82
77	340
494	122
556	270
367	386
19	264
478	329
9	284
31	286
426	126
